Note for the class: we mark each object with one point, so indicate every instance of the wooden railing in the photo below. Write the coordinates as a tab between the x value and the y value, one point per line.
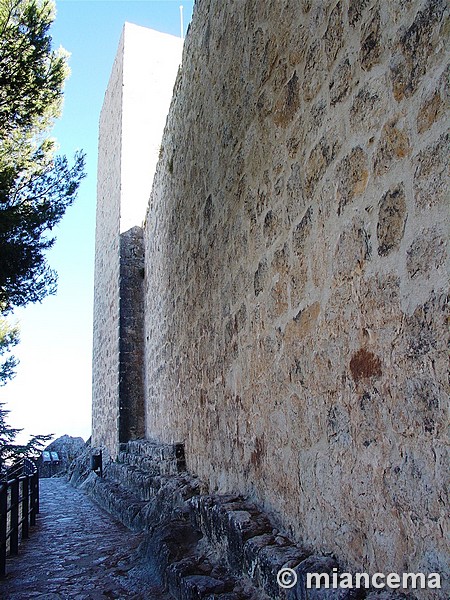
19	505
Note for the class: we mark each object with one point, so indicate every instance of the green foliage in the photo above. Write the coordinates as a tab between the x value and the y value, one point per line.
33	205
32	73
11	452
35	186
9	337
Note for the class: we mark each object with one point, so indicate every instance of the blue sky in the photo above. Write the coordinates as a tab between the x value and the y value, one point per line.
51	392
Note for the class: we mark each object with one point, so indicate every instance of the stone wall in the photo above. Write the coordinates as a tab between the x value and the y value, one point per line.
105	360
296	271
131	124
131	344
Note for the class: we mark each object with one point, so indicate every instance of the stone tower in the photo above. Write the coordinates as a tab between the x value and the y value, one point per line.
131	125
295	298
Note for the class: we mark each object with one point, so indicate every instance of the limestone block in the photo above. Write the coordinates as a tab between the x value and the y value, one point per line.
391	220
341	84
431	179
426	252
411	62
314	71
393	145
370	105
371	44
352	174
352	251
320	158
288	103
334	34
355	10
433	105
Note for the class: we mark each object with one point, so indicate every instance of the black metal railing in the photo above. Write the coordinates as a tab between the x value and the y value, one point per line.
19	505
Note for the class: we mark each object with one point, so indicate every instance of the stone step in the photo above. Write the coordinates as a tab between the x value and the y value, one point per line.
173	490
156	459
206	546
177	551
117	500
164	495
132	478
246	539
149	465
154	450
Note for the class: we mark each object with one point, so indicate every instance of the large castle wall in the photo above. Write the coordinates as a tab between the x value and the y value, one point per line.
151	61
105	362
295	270
131	125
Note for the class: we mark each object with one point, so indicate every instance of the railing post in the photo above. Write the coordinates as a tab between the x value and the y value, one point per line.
25	506
14	526
37	489
34	483
3	527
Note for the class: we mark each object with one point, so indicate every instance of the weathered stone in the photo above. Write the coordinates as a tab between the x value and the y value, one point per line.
260	279
320	158
394	144
237	523
431	174
391	220
295	191
426	252
355	10
384	595
312	564
364	364
371	43
289	102
410	65
369	107
340	85
68	450
314	73
280	261
278	298
294	323
301	233
352	174
196	586
225	596
334	34
352	251
270	559
432	109
271	226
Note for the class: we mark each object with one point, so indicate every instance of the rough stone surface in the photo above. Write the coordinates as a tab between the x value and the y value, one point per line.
295	272
297	223
129	145
193	541
105	352
131	336
68	449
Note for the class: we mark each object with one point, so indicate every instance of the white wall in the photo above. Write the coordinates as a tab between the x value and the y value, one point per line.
151	61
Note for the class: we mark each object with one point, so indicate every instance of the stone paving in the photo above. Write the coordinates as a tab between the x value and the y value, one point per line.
77	551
